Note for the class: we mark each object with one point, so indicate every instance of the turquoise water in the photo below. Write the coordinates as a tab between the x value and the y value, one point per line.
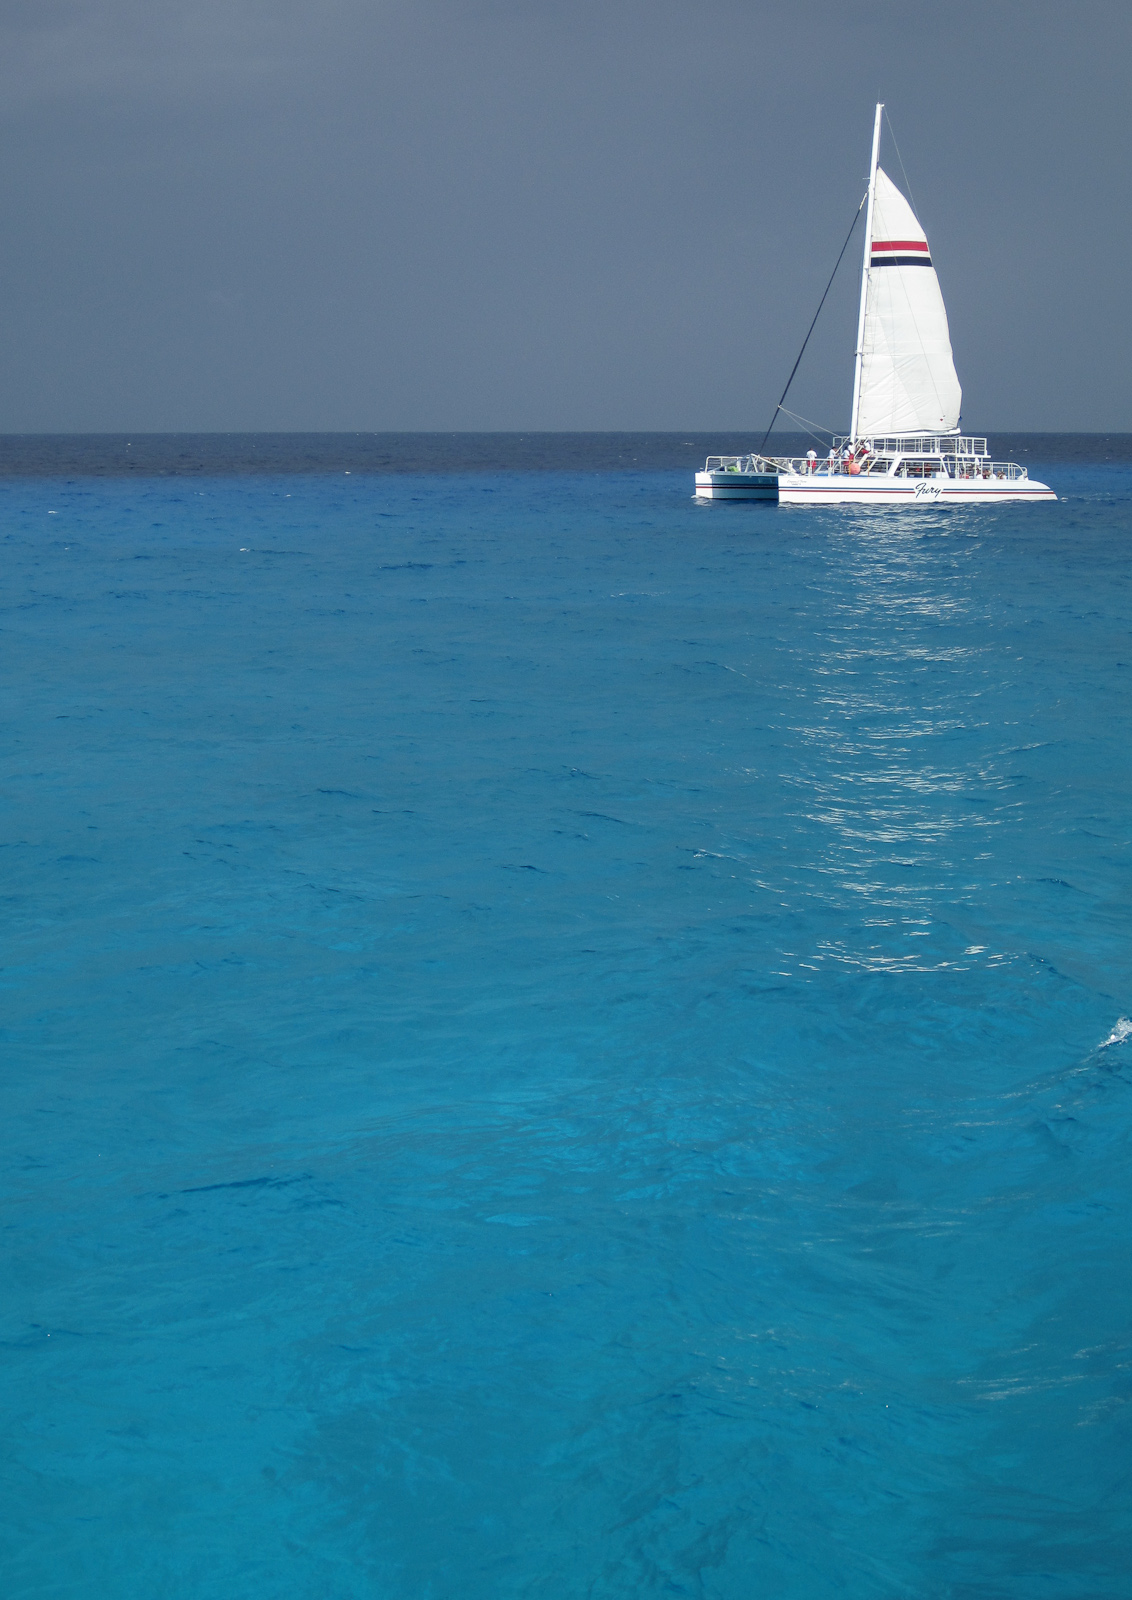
563	1043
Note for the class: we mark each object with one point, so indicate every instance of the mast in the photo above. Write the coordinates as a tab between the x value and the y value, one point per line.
865	273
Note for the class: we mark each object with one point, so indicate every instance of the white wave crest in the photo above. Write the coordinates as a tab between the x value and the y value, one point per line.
1118	1035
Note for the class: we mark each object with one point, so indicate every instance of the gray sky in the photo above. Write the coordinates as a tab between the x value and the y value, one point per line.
266	214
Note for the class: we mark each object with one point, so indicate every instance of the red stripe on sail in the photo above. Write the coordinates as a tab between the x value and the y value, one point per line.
900	244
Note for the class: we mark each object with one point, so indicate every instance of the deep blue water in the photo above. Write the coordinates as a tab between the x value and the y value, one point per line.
559	1043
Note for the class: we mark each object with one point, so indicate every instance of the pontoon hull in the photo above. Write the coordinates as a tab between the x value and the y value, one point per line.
736	486
836	490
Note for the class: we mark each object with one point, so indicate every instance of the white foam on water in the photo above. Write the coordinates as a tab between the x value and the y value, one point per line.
1118	1035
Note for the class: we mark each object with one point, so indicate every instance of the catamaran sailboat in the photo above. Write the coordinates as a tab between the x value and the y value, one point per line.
904	446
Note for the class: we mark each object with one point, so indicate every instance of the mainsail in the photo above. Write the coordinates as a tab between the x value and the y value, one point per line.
907	374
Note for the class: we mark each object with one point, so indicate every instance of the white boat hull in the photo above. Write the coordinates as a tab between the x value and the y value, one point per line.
821	489
736	486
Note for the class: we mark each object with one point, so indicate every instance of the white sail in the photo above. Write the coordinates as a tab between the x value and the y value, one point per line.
908	382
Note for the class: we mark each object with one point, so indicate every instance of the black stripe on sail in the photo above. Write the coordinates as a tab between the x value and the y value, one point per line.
901	261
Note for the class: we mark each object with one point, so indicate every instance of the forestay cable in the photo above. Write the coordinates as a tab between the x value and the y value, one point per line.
814	323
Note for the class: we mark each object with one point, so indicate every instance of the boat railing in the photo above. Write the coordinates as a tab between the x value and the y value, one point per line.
739	464
929	444
869	465
806	466
955	464
986	468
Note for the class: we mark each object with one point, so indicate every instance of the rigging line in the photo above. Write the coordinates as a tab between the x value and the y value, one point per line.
900	158
813	324
919	337
907	298
808	425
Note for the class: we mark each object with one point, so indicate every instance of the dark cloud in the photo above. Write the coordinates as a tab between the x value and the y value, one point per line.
360	215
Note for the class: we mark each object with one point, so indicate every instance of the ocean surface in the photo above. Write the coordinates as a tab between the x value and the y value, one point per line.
560	1042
